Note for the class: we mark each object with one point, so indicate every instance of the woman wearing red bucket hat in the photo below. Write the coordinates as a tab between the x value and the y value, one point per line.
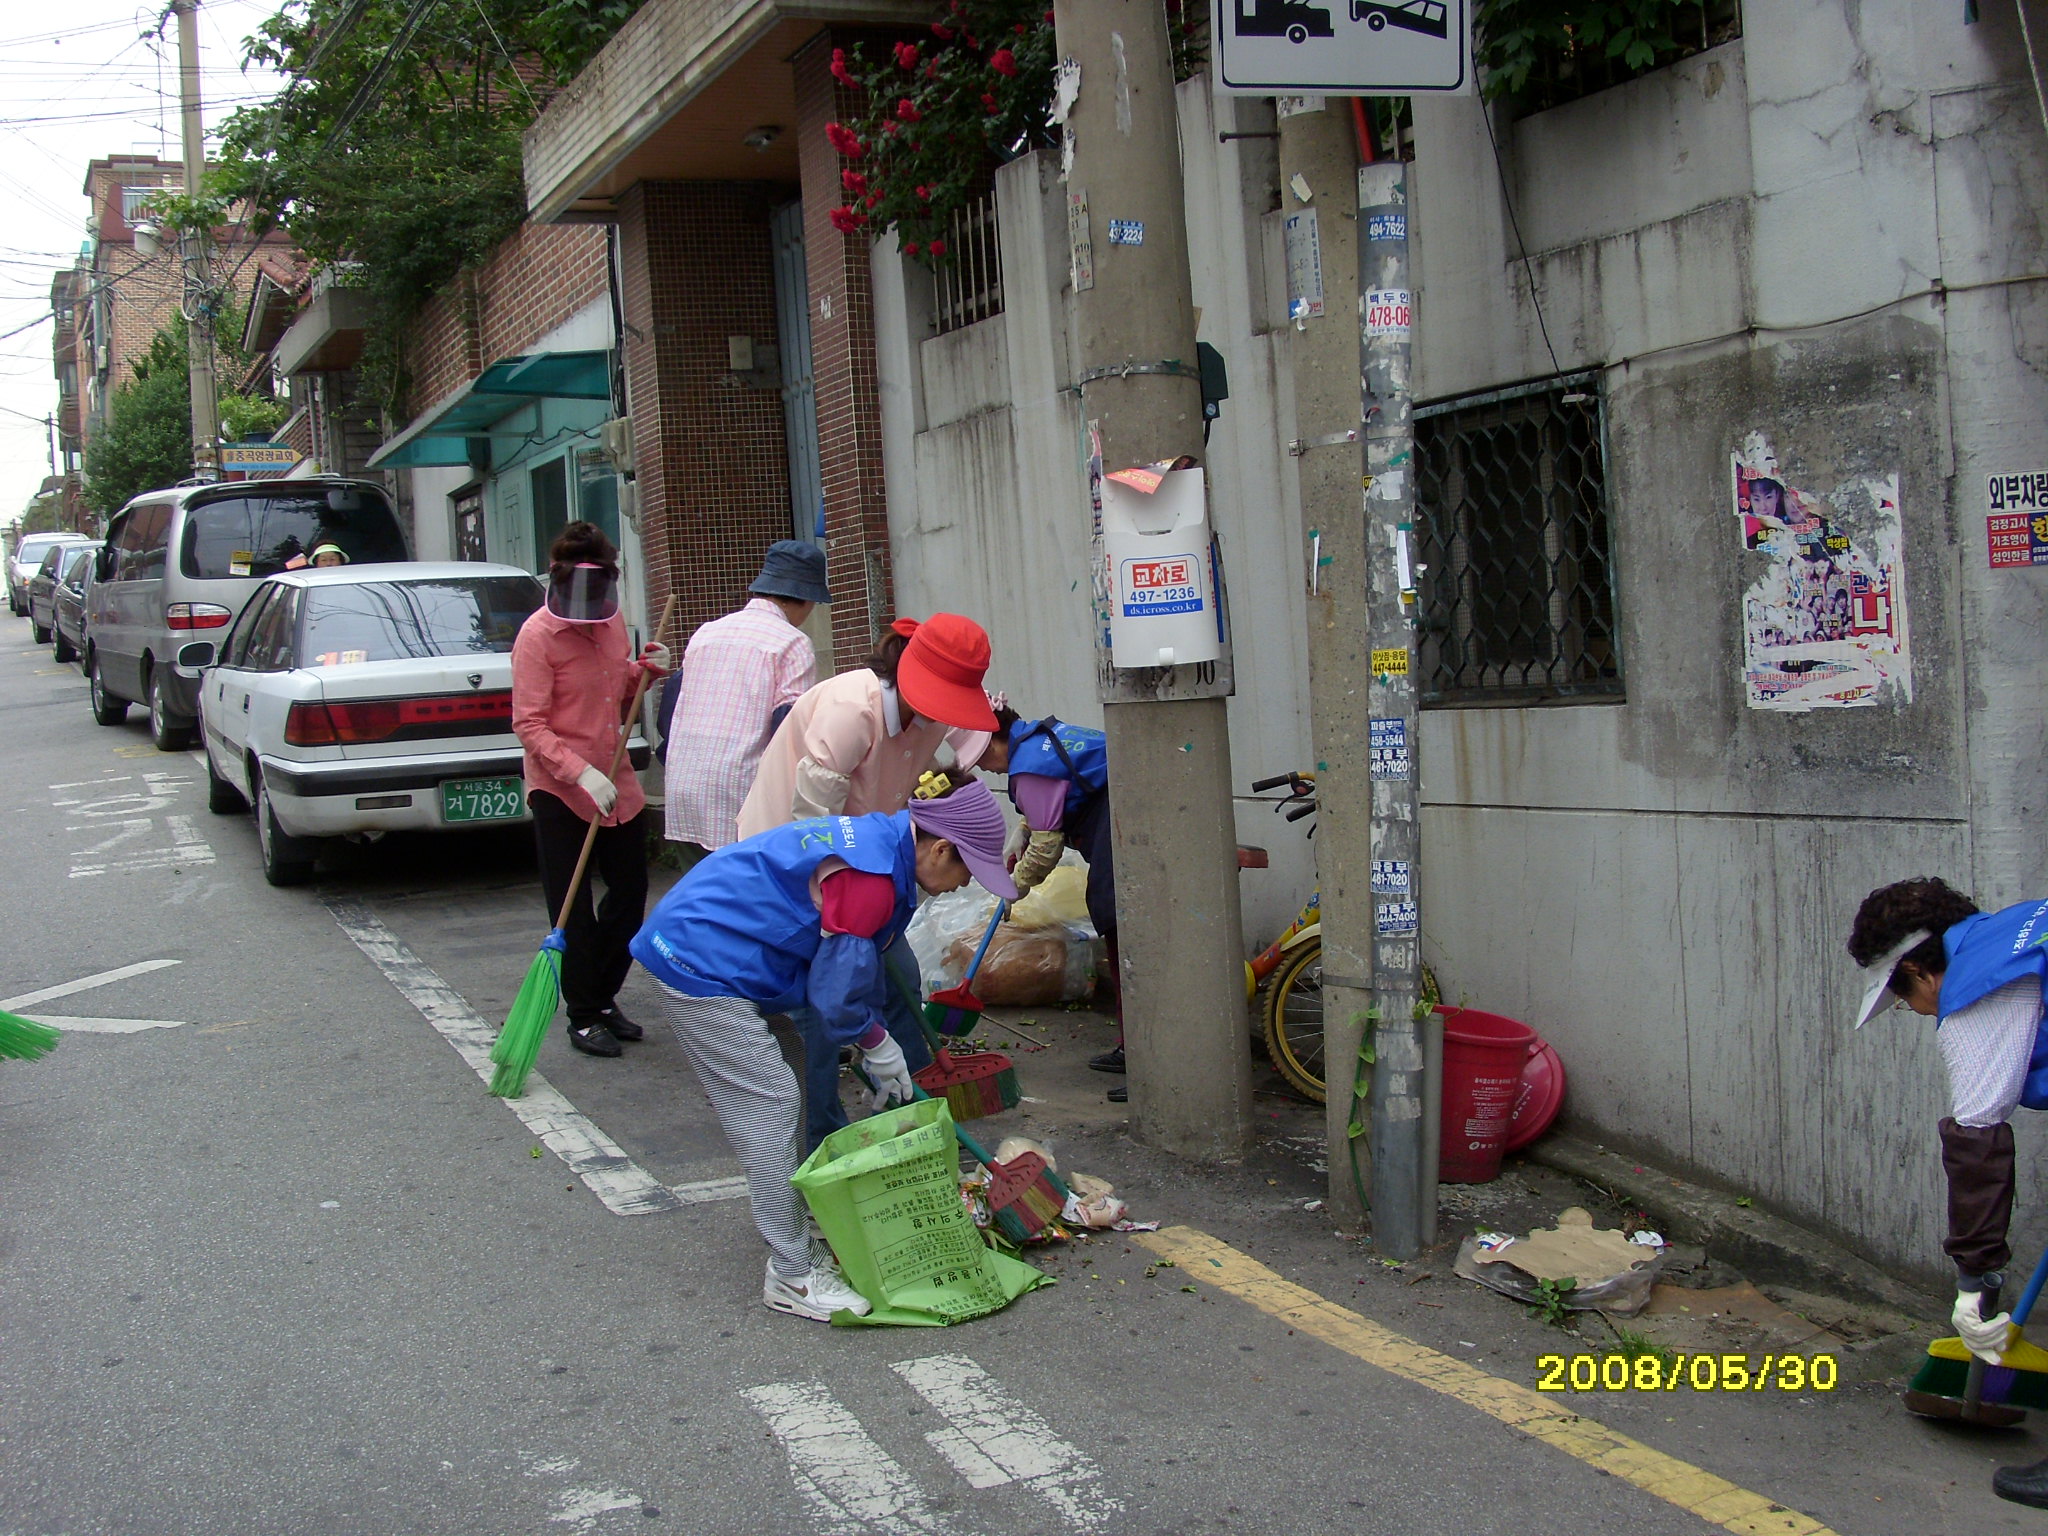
856	745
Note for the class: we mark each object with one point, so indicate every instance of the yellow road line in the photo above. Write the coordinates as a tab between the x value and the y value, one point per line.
1714	1499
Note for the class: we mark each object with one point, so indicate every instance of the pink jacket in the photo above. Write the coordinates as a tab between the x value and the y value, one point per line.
840	729
571	684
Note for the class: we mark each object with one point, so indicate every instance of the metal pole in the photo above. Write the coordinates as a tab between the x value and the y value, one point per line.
198	306
1181	939
1399	1220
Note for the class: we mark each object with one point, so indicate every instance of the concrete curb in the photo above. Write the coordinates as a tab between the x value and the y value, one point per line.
1764	1247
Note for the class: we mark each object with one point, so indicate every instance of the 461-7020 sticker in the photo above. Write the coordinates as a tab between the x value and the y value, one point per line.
1695	1373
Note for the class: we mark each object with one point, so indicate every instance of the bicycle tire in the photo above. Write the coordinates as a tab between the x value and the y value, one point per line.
1293	1017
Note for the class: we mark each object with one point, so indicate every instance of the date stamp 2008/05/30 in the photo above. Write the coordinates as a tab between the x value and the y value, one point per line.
1695	1373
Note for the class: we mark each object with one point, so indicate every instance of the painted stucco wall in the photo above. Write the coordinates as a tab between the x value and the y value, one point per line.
1746	242
984	449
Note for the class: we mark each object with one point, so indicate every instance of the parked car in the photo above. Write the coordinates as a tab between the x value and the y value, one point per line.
28	554
366	699
184	561
43	585
69	622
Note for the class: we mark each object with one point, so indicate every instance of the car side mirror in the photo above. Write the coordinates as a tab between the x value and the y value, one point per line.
103	565
197	655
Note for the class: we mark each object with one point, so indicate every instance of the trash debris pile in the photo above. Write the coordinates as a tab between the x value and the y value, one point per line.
1574	1266
1092	1204
1045	950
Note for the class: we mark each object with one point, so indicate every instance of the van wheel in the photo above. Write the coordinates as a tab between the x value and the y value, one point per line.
106	708
287	860
40	631
165	731
61	648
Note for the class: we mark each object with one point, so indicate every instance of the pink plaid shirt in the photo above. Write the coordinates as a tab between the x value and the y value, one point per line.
737	671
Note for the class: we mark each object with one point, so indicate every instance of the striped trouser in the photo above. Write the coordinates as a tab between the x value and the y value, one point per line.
756	1098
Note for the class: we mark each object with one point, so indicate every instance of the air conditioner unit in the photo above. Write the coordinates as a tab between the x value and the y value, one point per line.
618	443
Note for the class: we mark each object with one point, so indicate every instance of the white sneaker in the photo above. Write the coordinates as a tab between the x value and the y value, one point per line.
817	1296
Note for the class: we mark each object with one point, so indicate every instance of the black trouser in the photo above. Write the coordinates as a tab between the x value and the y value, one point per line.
595	966
1088	834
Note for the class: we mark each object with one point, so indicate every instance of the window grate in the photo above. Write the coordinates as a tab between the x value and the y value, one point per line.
970	274
1517	587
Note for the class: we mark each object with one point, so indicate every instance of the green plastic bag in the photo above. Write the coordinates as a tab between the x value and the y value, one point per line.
886	1194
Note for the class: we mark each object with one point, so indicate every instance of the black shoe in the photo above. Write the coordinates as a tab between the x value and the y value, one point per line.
593	1039
2023	1485
1119	1094
621	1027
1108	1061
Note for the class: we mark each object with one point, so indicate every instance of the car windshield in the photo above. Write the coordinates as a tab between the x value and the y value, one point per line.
393	620
260	535
33	548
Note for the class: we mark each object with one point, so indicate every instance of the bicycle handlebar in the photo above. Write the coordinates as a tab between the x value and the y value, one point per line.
1296	812
1260	786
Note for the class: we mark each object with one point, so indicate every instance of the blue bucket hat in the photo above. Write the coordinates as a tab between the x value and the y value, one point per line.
793	569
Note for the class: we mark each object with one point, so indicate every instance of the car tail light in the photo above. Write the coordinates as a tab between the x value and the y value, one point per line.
197	616
358	721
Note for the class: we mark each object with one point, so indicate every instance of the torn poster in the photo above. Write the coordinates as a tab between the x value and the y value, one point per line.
1824	622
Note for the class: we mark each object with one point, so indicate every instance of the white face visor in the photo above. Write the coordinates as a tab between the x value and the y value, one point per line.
1877	993
589	594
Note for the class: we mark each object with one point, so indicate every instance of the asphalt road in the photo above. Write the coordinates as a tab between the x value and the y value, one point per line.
271	1261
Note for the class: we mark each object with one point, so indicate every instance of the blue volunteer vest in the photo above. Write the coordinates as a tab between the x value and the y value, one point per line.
1056	750
743	924
1992	950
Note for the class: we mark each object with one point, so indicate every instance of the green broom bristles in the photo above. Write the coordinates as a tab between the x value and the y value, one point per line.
533	1010
2020	1382
25	1039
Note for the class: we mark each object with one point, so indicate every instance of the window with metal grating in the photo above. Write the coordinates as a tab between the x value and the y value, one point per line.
1517	586
969	277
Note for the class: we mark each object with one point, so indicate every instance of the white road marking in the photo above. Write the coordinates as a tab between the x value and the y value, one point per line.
623	1185
106	1026
580	1507
710	1189
852	1486
111	778
994	1439
118	812
84	984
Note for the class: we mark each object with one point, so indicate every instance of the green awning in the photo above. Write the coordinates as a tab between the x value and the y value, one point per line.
441	436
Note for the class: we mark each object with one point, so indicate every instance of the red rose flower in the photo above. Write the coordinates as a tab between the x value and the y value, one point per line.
839	69
924	192
874	196
1018	29
988	104
845	140
853	181
937	247
906	55
968	39
906	110
1003	62
1048	18
942	32
911	247
845	220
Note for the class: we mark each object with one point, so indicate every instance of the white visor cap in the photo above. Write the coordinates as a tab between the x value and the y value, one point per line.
1877	993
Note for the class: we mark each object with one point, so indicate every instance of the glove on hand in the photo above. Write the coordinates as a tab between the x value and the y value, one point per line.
891	1073
600	789
1041	857
654	657
1985	1336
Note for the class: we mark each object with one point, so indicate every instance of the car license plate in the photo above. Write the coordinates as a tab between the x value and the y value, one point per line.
482	800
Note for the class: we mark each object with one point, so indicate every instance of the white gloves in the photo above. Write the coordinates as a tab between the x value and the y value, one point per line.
1040	858
891	1074
1984	1336
600	789
654	657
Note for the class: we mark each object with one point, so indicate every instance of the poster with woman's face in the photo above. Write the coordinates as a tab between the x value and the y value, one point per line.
1824	615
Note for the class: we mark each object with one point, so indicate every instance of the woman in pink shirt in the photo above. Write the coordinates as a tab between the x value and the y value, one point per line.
573	677
856	744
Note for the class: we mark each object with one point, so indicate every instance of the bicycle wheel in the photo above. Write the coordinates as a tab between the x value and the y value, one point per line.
1294	1019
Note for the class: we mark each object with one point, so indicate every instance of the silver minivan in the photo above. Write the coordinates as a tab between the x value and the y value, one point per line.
178	566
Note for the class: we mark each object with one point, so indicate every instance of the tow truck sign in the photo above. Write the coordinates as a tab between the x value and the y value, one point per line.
1343	47
1169	585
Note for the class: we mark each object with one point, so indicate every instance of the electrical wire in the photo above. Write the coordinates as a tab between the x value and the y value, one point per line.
1515	224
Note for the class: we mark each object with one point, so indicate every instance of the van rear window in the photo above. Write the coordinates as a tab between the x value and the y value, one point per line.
259	535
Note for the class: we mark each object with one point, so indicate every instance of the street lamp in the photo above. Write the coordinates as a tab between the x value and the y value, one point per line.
148	240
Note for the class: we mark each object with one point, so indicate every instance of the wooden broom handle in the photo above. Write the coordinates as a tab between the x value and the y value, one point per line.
618	756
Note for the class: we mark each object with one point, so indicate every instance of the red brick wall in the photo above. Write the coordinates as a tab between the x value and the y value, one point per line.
843	369
709	454
540	276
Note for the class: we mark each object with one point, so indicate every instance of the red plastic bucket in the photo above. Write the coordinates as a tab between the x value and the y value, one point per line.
1483	1058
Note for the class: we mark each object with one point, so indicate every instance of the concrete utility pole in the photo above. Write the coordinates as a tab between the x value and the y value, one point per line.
1321	149
1182	941
1403	1169
198	305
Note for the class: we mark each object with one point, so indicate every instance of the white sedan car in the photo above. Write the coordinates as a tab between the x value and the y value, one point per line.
366	699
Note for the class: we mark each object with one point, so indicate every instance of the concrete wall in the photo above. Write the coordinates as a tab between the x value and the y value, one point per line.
984	460
1746	241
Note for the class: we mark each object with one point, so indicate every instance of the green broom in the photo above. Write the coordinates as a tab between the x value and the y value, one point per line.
25	1039
1952	1383
533	1010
